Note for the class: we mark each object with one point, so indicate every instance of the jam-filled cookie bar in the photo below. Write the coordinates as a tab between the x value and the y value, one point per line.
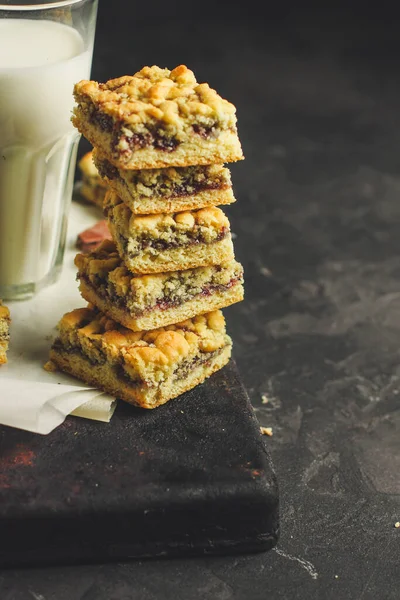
143	368
173	189
142	302
157	118
93	187
169	242
4	332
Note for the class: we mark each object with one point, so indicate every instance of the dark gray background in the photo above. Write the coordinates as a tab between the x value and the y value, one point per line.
317	227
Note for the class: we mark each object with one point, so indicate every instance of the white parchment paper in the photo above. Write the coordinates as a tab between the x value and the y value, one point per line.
30	397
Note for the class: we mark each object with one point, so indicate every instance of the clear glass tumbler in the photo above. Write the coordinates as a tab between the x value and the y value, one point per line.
45	48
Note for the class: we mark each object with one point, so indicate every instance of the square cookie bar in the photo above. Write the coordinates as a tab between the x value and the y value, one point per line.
93	187
4	332
157	118
142	302
144	368
171	241
173	189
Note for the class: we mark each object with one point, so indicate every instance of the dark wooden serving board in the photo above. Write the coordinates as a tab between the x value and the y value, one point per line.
191	477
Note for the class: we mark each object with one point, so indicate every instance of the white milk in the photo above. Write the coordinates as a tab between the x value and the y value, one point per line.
39	63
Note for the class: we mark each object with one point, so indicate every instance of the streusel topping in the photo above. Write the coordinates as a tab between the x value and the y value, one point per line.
163	346
205	217
209	217
155	94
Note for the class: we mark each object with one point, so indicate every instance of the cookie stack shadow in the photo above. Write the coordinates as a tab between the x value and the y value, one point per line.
153	327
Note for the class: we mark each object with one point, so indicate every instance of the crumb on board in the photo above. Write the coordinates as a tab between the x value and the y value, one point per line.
266	431
50	366
264	399
397	524
265	271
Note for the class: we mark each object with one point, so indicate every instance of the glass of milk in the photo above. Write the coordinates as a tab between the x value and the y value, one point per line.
45	48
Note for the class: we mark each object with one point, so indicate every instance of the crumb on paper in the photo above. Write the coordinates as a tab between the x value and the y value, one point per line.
50	366
264	399
266	431
265	271
397	524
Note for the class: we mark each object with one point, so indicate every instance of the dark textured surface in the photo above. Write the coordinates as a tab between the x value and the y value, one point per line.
317	224
192	477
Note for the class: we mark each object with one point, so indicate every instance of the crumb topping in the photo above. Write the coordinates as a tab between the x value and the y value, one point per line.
154	95
210	217
205	217
162	347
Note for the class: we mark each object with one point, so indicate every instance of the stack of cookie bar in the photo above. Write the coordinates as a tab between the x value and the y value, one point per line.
153	328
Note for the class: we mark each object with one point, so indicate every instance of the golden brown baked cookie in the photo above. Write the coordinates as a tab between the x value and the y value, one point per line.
171	241
157	118
145	368
142	302
173	189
